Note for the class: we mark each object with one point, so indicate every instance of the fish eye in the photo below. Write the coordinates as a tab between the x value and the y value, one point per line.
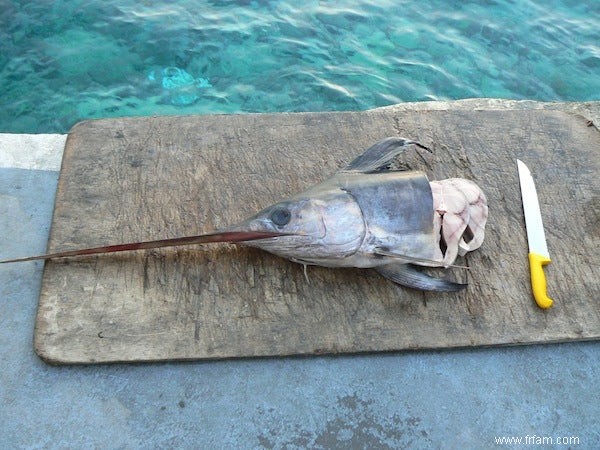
280	216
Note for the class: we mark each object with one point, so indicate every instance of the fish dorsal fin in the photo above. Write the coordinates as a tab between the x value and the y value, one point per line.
380	155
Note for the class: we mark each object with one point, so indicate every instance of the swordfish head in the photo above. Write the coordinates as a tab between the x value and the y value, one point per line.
320	224
362	216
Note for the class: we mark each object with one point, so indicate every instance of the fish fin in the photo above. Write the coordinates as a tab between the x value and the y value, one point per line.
380	155
381	251
408	276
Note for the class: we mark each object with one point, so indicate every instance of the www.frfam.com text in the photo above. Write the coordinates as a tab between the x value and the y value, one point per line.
536	440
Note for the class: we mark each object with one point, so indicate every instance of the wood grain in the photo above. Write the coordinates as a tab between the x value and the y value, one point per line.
150	178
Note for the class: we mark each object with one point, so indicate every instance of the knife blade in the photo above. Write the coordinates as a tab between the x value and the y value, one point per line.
536	238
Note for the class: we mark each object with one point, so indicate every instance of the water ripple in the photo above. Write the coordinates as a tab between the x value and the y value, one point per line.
64	61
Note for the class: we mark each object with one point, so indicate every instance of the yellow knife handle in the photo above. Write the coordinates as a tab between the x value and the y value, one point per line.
538	280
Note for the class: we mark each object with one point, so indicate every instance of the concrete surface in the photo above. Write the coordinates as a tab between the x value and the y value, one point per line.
451	399
589	110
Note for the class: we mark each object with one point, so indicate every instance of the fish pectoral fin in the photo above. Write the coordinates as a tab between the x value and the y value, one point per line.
380	155
407	275
381	251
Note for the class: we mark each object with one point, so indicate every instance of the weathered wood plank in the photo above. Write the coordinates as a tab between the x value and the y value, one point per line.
146	178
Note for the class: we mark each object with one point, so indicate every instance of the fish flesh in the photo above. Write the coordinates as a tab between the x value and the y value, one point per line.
367	215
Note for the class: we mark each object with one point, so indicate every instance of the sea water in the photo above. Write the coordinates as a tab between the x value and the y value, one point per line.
62	61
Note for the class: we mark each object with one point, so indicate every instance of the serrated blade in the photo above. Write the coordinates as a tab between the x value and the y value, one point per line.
536	238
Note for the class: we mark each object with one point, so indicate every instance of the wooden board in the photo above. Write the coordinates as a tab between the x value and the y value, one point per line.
146	178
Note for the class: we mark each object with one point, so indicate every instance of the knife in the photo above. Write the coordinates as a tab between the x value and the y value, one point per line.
536	239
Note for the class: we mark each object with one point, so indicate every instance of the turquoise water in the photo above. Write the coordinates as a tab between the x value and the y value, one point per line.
63	61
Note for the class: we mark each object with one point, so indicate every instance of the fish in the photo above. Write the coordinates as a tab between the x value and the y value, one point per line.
367	215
